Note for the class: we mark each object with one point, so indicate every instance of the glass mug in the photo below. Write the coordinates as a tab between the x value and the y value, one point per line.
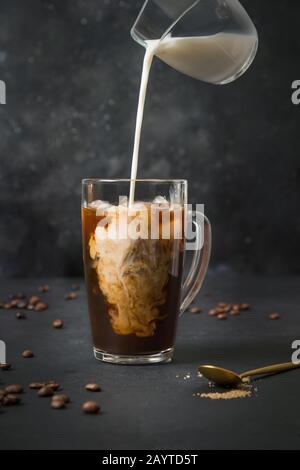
134	264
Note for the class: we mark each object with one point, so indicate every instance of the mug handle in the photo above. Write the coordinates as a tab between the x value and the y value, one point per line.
200	261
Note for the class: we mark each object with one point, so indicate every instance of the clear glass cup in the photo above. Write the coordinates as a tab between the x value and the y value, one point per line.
134	264
211	40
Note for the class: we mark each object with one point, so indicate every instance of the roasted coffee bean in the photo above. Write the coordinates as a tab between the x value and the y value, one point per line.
7	306
14	389
40	306
44	288
5	366
227	308
61	396
244	306
51	381
34	299
222	316
14	303
57	324
93	387
2	394
235	310
20	316
45	392
27	354
222	305
30	307
53	385
10	400
58	403
274	316
71	296
90	407
1	304
212	312
195	310
220	310
36	385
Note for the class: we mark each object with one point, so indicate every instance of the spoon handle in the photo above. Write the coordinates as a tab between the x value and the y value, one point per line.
270	369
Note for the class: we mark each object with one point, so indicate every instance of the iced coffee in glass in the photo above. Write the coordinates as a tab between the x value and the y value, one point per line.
134	263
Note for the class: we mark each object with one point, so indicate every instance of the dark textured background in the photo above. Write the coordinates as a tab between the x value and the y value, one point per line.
72	74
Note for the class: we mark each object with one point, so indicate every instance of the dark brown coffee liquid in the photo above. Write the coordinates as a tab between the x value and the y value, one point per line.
133	335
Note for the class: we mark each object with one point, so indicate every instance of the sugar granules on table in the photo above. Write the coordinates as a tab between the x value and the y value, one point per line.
230	395
243	391
186	376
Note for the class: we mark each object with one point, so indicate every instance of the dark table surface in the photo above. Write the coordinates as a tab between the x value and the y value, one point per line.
154	407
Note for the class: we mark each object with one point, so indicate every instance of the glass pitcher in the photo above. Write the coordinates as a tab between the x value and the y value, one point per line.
211	40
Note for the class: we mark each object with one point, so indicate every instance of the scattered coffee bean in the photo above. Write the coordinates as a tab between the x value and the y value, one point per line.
223	308
220	310
7	306
40	306
10	400
44	288
1	304
45	392
20	316
53	385
58	403
71	296
235	307
2	394
222	304
30	307
61	396
34	299
244	306
274	316
57	324
14	389
5	366
27	354
93	388
195	310
14	303
90	407
212	312
222	316
36	385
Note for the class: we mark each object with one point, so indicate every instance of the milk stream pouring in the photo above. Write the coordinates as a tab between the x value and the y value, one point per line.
215	58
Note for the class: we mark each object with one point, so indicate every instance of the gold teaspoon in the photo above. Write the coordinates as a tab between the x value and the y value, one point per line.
225	378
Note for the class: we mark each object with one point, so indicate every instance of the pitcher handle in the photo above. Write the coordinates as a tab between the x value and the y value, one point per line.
200	261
